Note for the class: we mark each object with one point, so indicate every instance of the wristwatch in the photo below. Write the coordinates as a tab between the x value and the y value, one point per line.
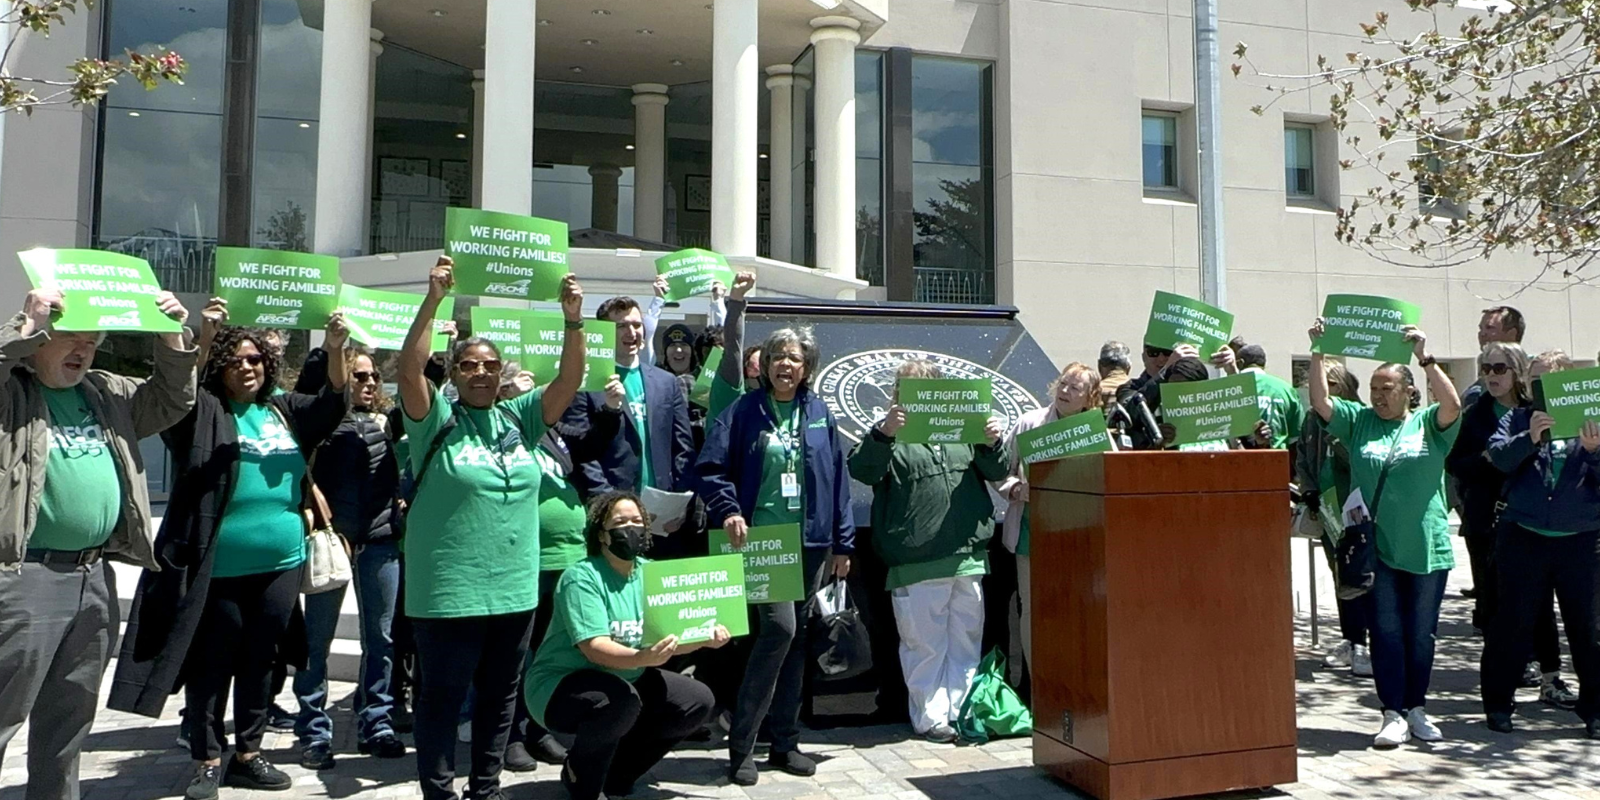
1427	361
574	324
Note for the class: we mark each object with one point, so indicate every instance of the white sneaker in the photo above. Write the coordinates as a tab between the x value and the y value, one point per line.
1422	728
464	733
1339	656
1395	731
1361	661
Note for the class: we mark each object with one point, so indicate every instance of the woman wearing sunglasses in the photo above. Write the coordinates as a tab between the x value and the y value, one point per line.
472	535
230	548
358	471
596	679
1504	371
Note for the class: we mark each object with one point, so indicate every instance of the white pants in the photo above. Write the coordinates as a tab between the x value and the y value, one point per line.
1025	594
941	634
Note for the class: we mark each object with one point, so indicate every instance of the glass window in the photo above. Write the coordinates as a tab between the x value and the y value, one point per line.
1299	176
952	180
1160	140
869	167
578	126
803	223
288	93
422	149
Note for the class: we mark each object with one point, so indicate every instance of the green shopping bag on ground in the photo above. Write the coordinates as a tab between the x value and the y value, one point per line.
992	708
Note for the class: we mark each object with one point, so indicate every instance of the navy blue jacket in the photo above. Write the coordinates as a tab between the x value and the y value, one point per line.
1574	505
730	465
615	465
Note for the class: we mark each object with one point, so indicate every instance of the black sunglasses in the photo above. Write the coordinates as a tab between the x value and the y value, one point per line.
1494	369
253	359
362	376
1156	352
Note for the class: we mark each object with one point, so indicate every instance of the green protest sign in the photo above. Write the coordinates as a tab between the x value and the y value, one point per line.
701	394
945	410
277	288
1572	398
1209	411
1075	435
545	332
506	255
503	326
1175	320
692	271
689	597
1362	326
100	291
772	572
381	319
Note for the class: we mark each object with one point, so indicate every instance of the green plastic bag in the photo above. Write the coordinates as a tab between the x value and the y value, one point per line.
992	708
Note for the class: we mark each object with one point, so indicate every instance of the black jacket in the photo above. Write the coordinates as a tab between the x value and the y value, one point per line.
168	605
356	469
614	463
1573	506
1479	484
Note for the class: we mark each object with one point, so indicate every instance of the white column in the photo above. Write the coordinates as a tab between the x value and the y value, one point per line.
507	167
477	138
780	147
649	160
344	146
835	40
603	196
735	70
372	116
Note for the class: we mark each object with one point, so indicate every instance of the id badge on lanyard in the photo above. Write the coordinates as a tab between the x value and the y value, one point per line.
791	450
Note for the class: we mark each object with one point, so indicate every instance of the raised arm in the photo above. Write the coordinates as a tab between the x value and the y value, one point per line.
416	394
1320	403
1444	392
731	370
652	320
168	396
569	375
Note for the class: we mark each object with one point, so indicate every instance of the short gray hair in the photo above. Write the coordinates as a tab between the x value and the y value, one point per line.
1114	355
779	341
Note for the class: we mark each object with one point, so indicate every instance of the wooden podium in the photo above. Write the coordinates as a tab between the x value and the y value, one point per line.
1162	631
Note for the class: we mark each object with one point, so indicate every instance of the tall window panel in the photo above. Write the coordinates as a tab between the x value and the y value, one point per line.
288	93
1160	147
1299	172
869	167
952	180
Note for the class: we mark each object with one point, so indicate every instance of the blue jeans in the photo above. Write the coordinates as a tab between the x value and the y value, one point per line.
313	724
1405	617
377	580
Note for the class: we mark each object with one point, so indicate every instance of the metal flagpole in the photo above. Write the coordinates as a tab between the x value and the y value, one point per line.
1208	126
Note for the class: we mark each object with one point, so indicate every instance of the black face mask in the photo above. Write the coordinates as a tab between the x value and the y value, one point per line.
628	541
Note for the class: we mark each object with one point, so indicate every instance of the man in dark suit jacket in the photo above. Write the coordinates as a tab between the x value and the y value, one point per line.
654	446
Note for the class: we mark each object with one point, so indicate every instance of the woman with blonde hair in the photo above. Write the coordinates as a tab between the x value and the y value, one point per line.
1075	390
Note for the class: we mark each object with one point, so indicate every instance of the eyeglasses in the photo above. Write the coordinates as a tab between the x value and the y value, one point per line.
1494	369
363	376
253	359
468	366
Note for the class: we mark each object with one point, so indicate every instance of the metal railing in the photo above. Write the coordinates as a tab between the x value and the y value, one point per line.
181	263
954	286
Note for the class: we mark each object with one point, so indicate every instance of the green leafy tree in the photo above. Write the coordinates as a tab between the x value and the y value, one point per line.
286	229
951	232
89	79
1485	132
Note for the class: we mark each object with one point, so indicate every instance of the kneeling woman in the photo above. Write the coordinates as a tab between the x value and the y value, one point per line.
593	677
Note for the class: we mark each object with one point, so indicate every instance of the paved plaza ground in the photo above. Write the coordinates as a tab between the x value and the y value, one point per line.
132	758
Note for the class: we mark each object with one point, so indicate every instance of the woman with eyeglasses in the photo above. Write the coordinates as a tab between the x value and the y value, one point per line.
595	677
1504	369
231	546
1404	447
358	472
472	535
1548	541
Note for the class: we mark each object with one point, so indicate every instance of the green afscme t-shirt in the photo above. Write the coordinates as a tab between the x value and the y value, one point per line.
639	410
472	534
262	529
561	517
1413	526
82	497
592	600
1280	407
782	452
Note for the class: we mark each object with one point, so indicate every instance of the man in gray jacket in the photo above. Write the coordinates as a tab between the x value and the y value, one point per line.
72	494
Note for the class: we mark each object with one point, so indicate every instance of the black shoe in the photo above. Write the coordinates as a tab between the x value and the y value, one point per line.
317	756
1470	592
1591	729
279	719
548	750
742	770
384	745
256	774
570	783
204	784
793	762
518	759
1500	722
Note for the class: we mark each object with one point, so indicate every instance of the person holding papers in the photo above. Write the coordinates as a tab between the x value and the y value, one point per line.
595	679
1076	390
932	519
1405	448
1548	539
472	535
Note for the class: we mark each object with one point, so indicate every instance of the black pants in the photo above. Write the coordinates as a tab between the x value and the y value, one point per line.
1544	646
523	728
775	676
453	655
1355	616
1480	556
237	643
1530	566
403	683
869	578
622	729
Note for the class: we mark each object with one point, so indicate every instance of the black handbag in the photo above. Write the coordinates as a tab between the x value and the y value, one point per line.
1357	551
840	644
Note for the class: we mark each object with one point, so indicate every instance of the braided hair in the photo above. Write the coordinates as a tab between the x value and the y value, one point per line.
222	351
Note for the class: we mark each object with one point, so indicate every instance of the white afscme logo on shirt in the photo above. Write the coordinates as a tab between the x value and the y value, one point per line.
473	454
274	438
78	440
628	633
